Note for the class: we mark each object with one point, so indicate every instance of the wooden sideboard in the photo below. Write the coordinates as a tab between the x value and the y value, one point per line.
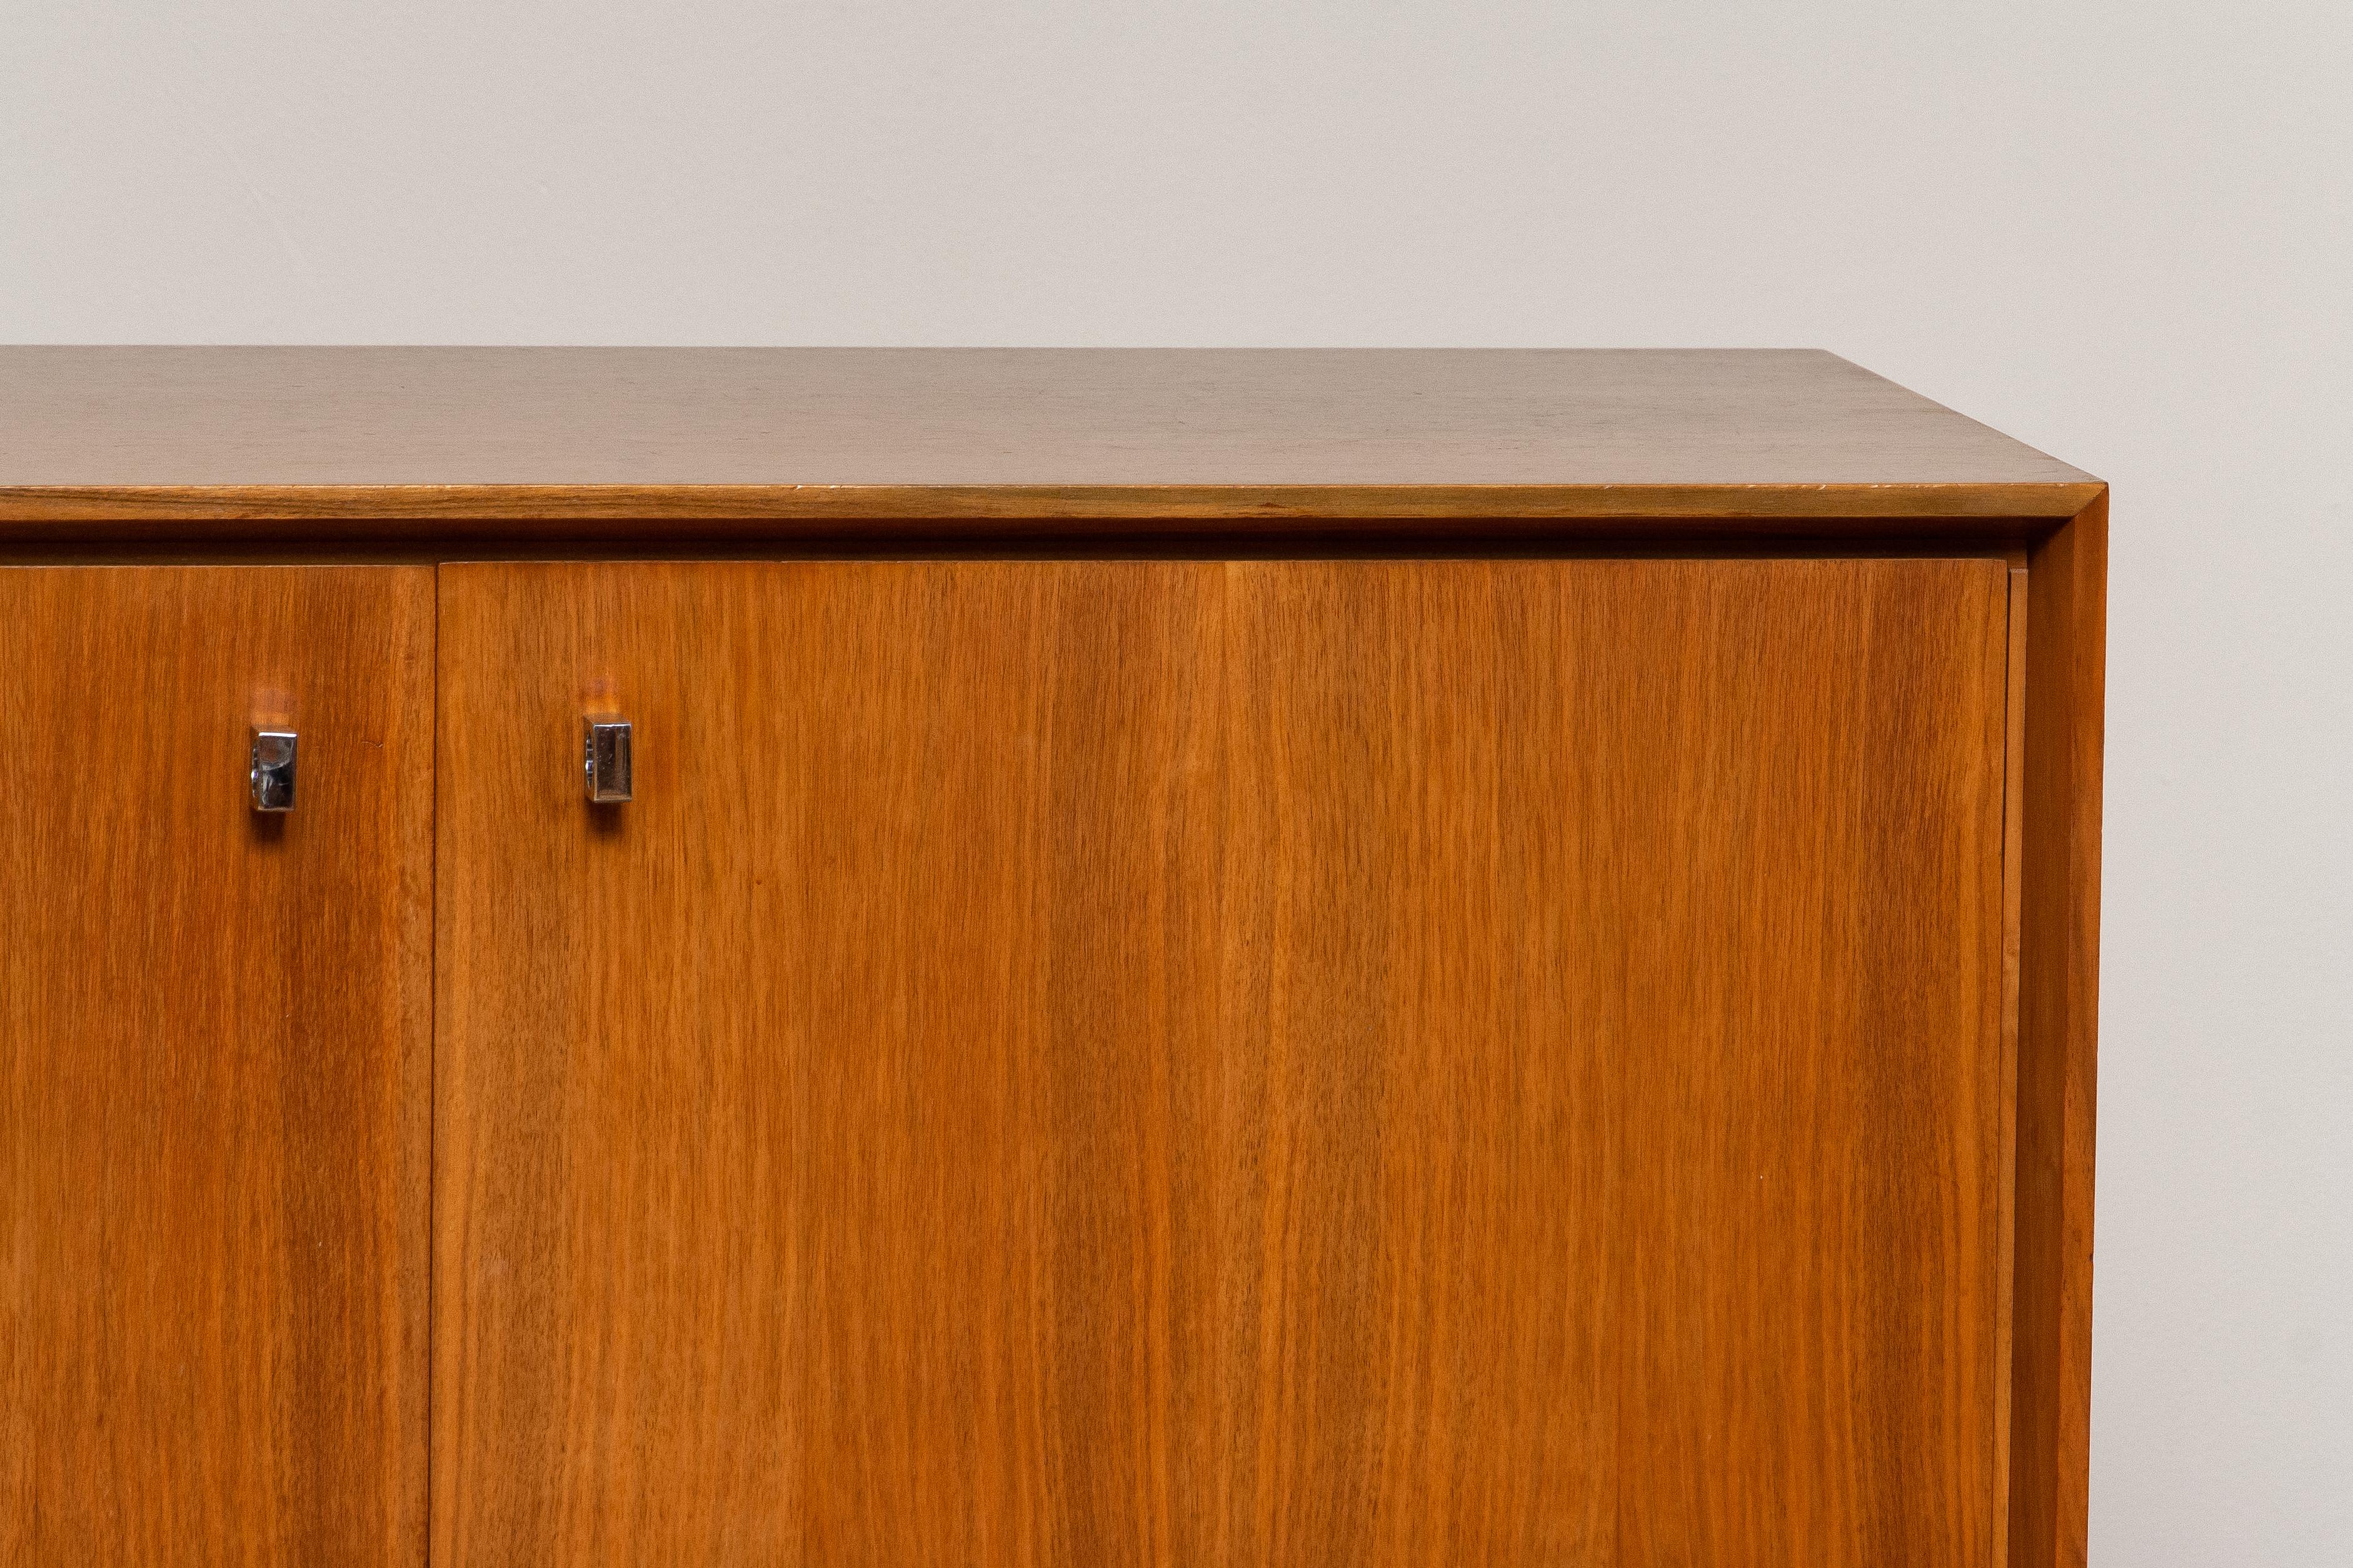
1337	957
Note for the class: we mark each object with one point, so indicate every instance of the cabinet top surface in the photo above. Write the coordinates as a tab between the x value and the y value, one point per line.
877	434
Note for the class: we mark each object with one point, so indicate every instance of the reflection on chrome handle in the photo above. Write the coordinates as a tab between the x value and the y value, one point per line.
273	769
607	759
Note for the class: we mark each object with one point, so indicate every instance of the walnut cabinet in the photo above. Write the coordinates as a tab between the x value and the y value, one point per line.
1193	958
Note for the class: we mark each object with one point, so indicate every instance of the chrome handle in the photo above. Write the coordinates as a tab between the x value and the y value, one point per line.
607	758
273	769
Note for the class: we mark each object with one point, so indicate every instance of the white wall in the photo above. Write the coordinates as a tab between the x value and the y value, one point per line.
2120	230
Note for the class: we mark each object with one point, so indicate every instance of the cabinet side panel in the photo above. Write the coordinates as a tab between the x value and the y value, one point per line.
2058	1050
215	1038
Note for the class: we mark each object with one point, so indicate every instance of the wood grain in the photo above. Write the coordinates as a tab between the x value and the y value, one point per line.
1422	1119
807	1189
213	1067
2058	1049
1807	882
222	444
1652	912
1183	1063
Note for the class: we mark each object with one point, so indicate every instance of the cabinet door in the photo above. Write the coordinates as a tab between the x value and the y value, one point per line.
213	1067
1300	1063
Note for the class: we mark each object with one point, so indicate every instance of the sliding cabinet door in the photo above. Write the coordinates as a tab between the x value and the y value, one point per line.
1189	1063
214	1036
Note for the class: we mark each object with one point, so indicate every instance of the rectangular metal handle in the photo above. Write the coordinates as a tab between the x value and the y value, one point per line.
608	759
273	769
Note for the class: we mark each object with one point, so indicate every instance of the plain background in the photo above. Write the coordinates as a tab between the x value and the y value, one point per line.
2117	230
